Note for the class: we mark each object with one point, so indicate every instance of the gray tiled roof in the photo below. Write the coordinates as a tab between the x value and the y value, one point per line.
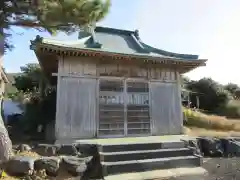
117	41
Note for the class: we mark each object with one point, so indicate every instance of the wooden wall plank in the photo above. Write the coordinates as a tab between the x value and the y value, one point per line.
165	109
78	65
77	108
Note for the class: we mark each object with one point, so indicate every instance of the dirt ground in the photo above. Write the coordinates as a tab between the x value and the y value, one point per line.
218	169
222	168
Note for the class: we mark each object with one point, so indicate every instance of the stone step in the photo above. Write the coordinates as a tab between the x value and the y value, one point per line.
196	173
110	168
145	154
140	146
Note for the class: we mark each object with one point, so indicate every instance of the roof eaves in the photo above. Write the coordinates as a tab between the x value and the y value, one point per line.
169	54
145	56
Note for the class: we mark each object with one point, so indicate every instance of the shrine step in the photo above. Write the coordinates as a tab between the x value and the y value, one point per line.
144	154
196	173
140	146
149	164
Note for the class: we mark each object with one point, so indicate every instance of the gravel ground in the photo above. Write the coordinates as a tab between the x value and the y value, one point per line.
222	168
218	169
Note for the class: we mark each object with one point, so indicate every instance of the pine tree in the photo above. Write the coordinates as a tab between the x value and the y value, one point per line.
50	15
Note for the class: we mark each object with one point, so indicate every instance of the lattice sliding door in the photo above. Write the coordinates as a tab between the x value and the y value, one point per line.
138	118
111	108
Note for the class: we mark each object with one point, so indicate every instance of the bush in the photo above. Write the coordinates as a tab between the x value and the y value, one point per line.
231	110
39	110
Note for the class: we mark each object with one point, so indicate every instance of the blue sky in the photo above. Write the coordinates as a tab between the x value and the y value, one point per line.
210	29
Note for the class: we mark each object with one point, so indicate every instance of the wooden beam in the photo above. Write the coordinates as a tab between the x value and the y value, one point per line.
112	78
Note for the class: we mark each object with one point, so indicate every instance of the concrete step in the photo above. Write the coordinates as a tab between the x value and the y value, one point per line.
196	173
140	146
145	154
149	164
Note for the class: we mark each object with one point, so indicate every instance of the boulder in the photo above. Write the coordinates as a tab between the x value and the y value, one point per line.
94	169
46	149
194	145
50	164
87	149
233	149
75	166
23	147
20	165
211	147
226	145
69	150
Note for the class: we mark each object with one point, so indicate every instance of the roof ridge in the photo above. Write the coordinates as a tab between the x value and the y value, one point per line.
69	42
113	30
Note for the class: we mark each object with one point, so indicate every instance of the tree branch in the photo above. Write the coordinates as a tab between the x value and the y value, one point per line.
32	24
25	24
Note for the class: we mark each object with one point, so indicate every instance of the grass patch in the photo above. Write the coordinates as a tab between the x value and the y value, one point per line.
28	154
201	120
194	131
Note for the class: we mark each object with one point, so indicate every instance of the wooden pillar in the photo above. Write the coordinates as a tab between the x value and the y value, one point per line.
56	127
198	103
188	99
180	99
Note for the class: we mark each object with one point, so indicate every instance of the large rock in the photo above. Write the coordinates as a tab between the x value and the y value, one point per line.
87	149
50	164
226	145
233	148
194	145
69	150
211	147
23	147
75	166
94	169
20	165
46	149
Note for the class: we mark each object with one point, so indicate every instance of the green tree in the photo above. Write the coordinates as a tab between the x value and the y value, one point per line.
39	106
212	94
50	15
231	87
39	110
184	81
30	79
237	93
